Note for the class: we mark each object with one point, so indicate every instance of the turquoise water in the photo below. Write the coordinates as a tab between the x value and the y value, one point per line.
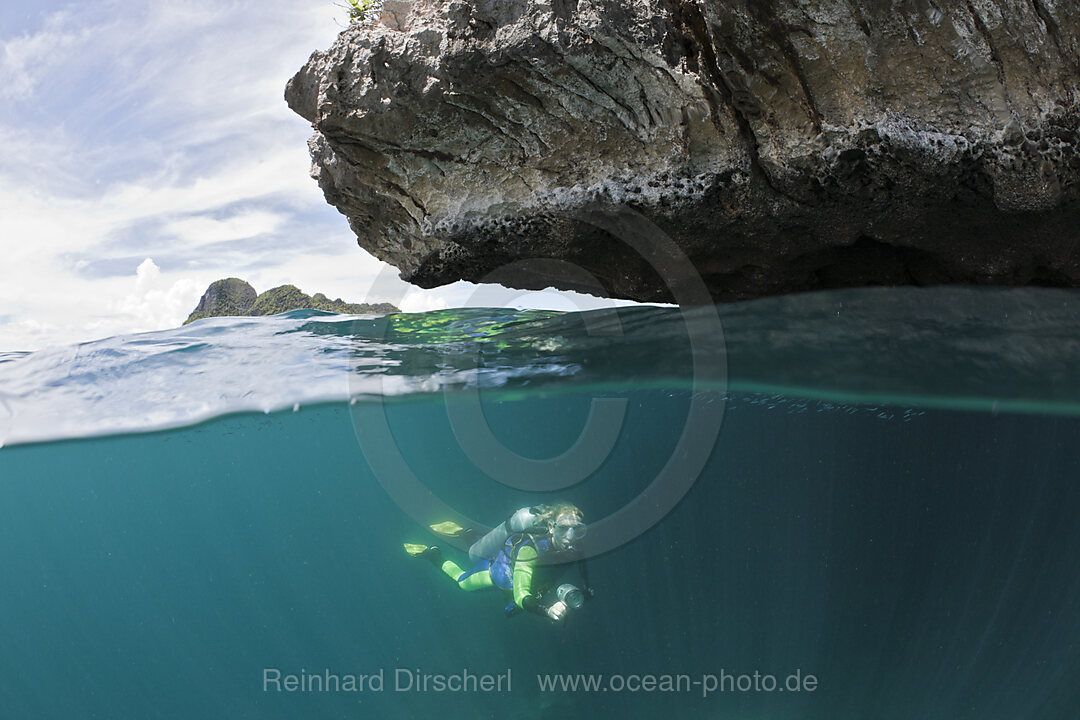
876	489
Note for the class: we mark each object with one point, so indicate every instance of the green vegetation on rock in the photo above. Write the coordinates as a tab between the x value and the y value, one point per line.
360	10
281	299
228	297
235	297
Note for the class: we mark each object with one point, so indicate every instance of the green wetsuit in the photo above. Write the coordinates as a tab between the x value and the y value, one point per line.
524	567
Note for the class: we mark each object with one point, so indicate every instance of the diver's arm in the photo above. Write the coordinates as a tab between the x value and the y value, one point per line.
523	575
530	603
523	595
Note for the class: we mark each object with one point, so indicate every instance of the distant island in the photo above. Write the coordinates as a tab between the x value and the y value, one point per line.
235	297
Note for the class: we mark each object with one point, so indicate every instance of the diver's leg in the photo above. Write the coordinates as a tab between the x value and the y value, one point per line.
452	569
477	580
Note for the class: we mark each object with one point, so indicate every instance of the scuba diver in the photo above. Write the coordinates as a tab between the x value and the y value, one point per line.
523	556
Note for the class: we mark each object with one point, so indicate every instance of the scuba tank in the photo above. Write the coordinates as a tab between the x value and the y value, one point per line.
524	520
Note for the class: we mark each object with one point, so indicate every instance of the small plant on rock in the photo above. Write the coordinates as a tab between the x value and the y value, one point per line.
359	9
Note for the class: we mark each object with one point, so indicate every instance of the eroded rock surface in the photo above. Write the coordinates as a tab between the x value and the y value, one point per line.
784	145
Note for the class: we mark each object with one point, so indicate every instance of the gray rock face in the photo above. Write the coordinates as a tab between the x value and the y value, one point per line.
783	145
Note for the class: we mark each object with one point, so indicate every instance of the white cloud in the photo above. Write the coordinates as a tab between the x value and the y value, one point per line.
419	301
279	173
24	59
200	229
136	128
149	126
156	304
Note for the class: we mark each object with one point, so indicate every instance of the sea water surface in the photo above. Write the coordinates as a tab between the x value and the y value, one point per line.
852	504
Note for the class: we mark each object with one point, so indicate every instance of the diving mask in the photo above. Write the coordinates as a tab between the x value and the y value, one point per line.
567	531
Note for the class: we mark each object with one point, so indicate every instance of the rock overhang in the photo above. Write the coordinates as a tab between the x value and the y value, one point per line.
782	146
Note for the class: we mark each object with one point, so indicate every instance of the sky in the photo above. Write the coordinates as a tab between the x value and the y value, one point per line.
148	151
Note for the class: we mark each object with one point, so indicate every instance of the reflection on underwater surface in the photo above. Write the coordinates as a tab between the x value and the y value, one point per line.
917	561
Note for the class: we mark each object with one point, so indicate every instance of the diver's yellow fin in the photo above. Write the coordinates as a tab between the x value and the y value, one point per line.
414	549
449	529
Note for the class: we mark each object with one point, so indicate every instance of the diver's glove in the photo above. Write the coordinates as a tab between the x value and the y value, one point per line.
557	611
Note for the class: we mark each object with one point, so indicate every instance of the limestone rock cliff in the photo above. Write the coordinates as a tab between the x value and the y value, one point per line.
784	145
237	298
